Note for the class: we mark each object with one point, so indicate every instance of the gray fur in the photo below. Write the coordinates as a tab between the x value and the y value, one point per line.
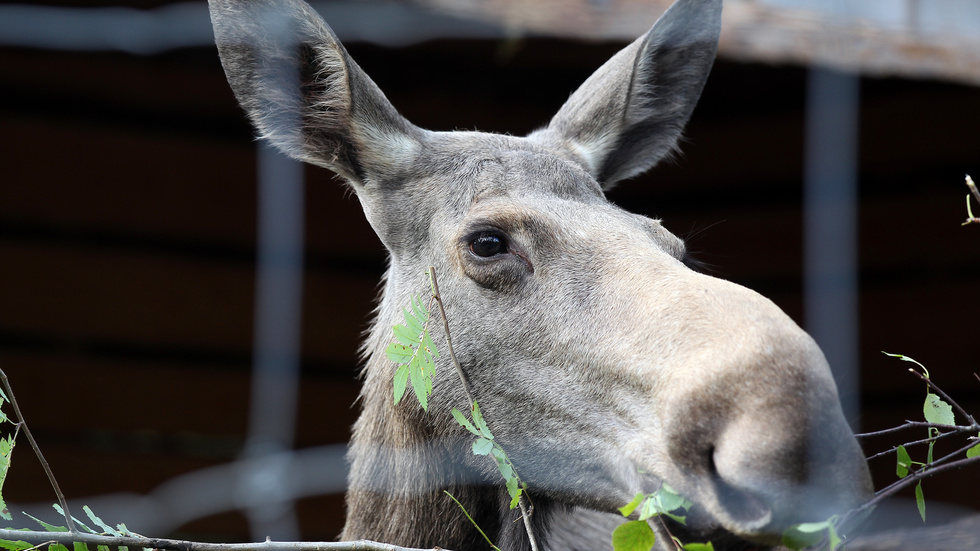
603	364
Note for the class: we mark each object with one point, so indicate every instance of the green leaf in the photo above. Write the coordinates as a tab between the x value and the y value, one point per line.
78	523
498	453
57	546
428	345
480	423
513	488
18	545
399	353
418	385
938	411
650	507
506	470
920	501
482	446
407	336
627	510
680	519
635	535
804	535
907	359
904	462
813	527
46	526
419	313
413	321
515	499
106	529
671	500
835	541
974	451
80	546
401	382
6	448
698	547
462	420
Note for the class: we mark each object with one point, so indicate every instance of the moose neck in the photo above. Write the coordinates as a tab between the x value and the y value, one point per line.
404	460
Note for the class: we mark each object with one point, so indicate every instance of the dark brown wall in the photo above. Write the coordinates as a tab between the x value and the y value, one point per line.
127	221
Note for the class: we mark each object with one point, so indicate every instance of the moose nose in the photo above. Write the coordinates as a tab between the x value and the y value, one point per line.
761	441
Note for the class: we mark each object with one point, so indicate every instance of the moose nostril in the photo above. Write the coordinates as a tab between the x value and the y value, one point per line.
743	507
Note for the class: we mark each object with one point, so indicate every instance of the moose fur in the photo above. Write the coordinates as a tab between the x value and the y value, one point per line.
603	363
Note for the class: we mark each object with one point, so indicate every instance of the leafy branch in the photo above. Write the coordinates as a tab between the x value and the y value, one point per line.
636	535
486	445
414	352
939	411
8	448
104	536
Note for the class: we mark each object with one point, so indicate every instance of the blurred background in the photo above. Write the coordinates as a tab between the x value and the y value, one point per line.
171	336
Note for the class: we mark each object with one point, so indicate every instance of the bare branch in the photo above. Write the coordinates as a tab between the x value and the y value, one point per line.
37	451
527	525
918	424
917	442
67	539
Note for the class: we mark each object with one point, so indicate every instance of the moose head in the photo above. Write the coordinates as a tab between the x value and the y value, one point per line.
603	363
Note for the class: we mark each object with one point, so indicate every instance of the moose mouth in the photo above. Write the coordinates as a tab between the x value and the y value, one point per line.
691	531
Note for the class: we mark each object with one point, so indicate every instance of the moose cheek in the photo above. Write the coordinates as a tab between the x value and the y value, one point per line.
505	273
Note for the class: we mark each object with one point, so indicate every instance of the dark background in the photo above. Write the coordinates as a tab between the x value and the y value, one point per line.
127	233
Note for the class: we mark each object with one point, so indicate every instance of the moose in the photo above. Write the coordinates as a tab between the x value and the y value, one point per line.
603	362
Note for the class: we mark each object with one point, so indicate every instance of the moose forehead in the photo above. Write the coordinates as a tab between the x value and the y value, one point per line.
478	165
524	188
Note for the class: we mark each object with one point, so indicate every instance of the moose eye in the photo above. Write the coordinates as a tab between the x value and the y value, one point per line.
486	245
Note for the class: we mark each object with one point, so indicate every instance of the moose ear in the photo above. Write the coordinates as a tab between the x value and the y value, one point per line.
630	113
304	93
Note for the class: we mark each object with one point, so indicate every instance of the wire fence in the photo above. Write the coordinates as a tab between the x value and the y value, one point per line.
270	476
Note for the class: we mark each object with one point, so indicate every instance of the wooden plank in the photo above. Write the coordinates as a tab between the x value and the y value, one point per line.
898	39
868	41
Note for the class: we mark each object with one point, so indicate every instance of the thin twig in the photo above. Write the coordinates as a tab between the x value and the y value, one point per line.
663	524
473	522
449	340
916	424
37	451
527	525
917	442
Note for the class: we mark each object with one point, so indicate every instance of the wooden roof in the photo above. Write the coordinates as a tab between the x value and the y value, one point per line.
910	38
